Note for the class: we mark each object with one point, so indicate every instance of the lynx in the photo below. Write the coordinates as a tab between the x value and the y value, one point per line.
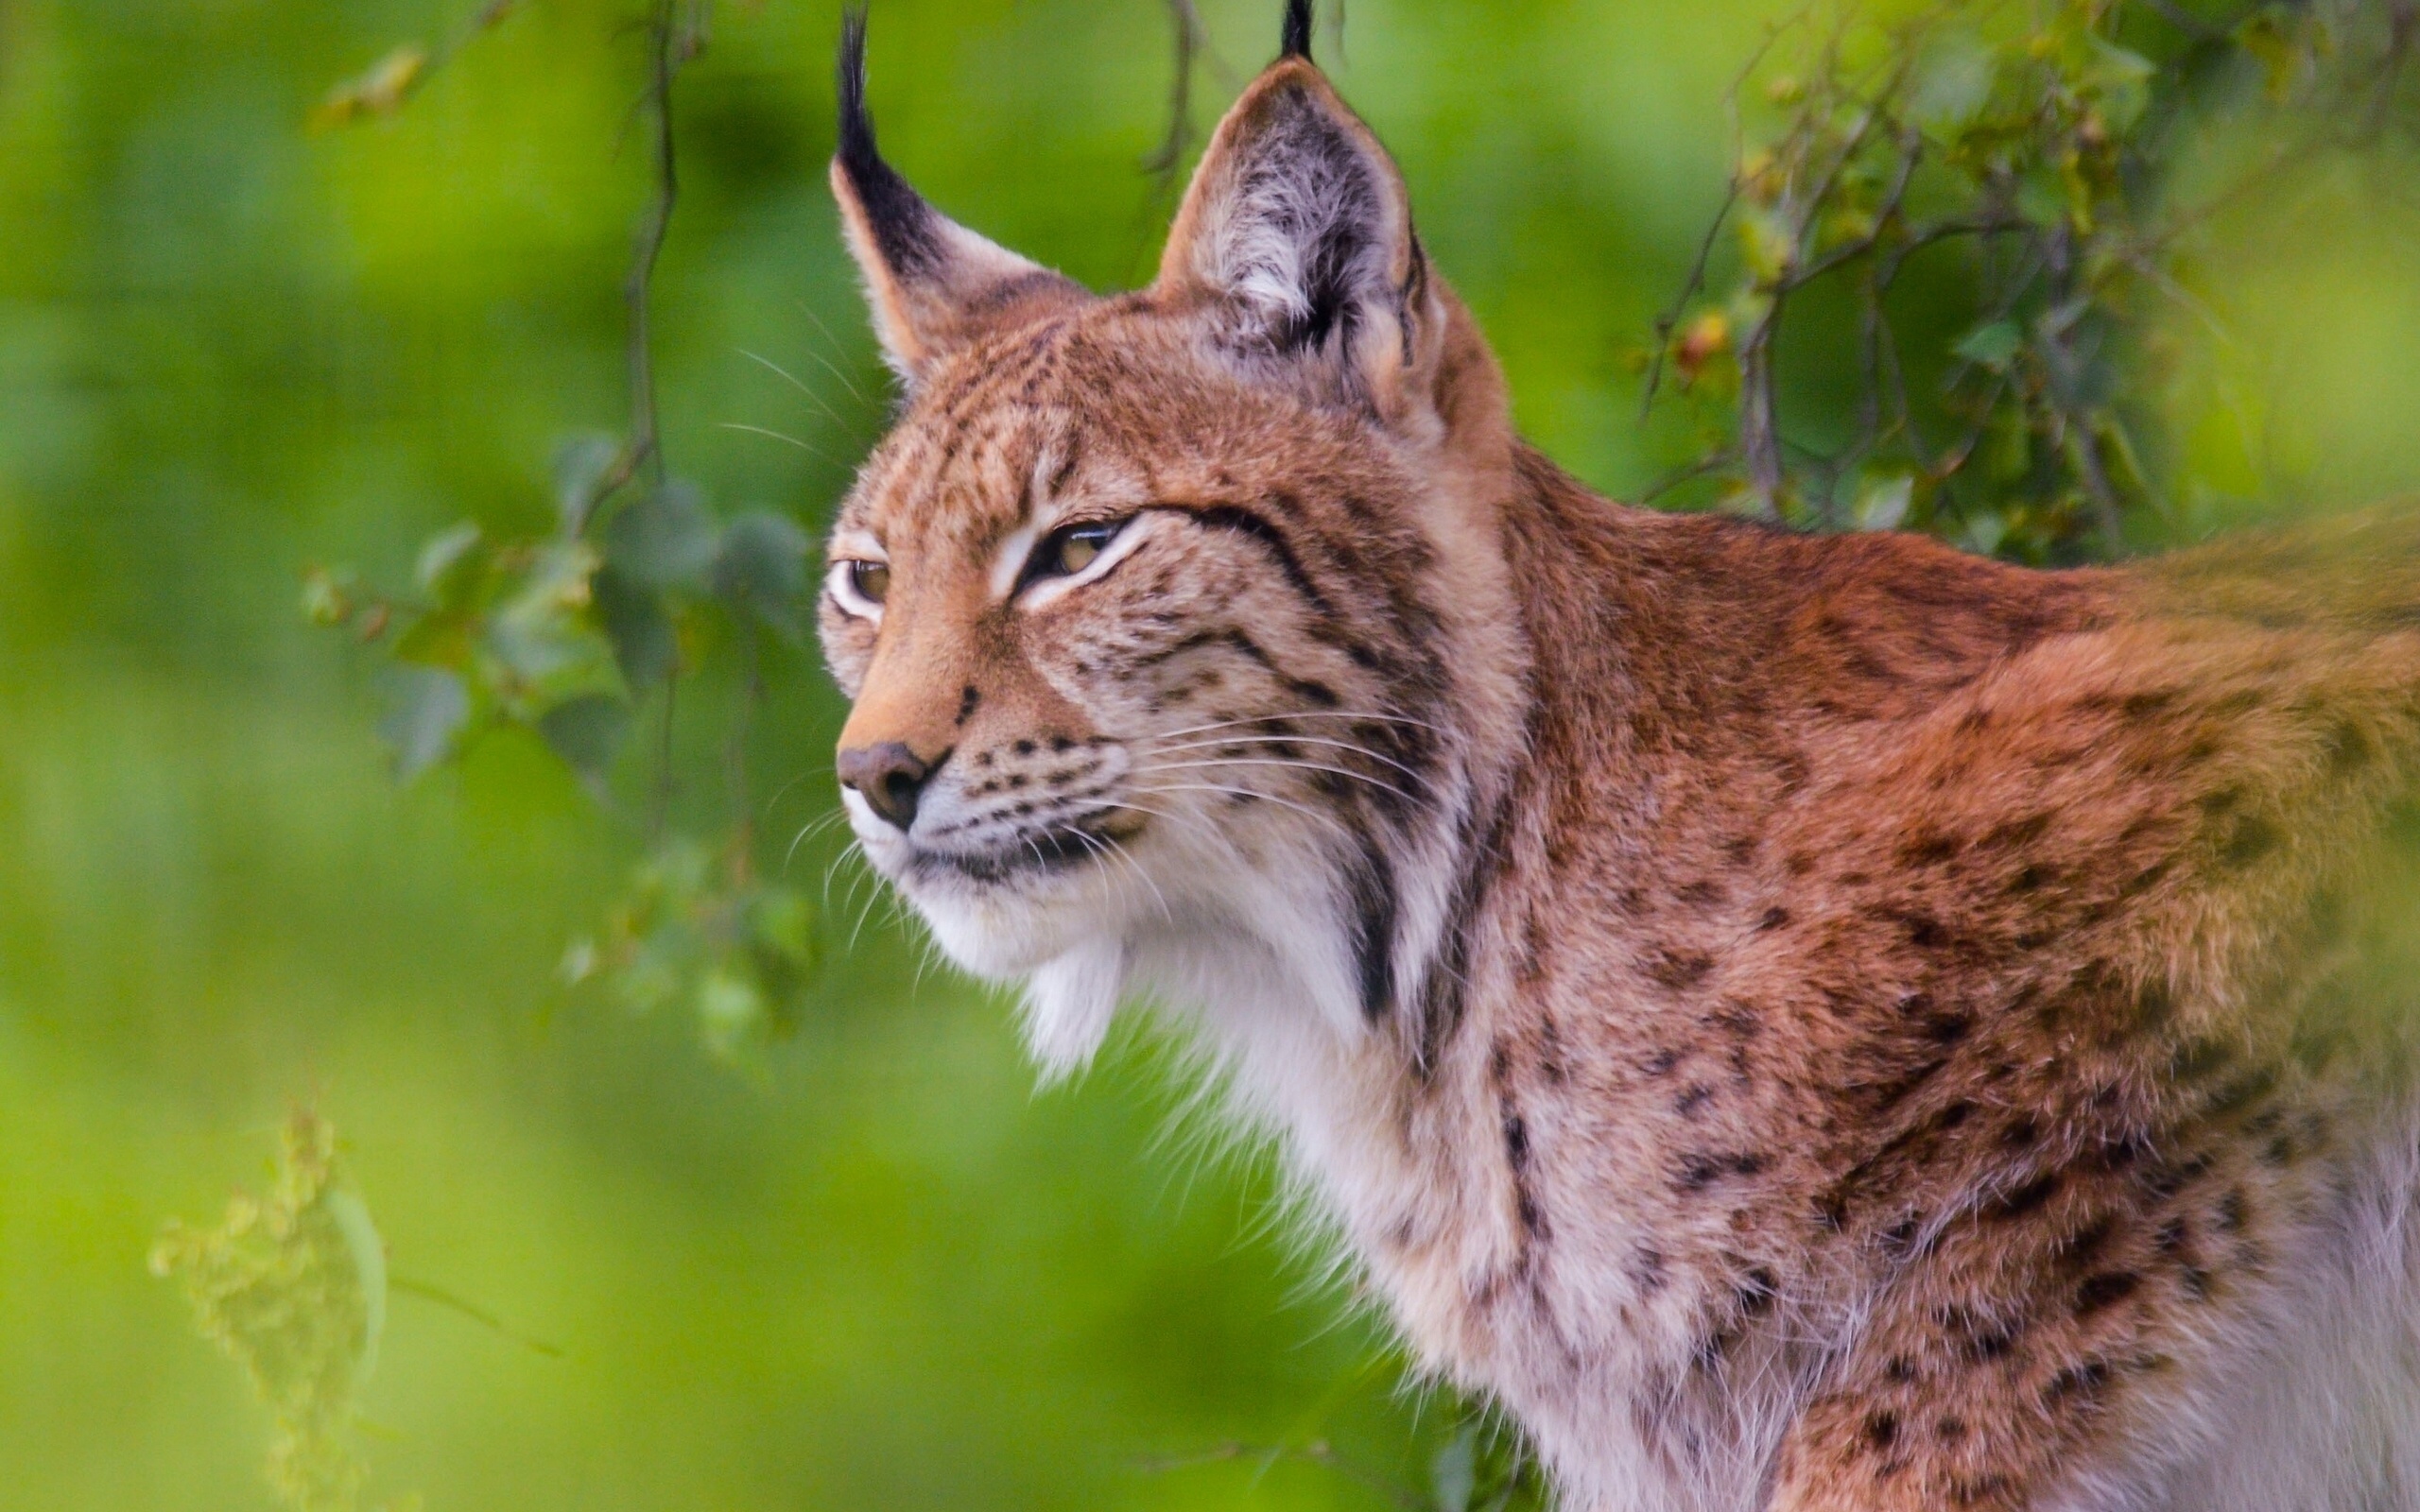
1829	1024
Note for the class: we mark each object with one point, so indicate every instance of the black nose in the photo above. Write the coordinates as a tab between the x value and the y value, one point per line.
890	778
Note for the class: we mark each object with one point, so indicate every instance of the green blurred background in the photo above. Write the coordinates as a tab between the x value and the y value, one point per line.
882	1272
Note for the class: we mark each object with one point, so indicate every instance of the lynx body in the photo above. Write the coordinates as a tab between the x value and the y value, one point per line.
1807	1024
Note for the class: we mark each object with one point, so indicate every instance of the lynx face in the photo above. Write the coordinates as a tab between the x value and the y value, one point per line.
1141	602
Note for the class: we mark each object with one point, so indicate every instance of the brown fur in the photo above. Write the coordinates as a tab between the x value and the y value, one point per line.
1894	1022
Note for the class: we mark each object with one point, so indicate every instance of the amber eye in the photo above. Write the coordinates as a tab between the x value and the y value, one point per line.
1067	552
859	586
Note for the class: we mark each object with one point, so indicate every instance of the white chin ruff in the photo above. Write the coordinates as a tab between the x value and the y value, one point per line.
1073	973
1070	1003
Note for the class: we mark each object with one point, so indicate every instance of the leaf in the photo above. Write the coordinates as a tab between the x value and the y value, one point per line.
665	539
1453	1476
1953	82
729	1009
2121	80
1992	346
762	569
1767	246
645	645
580	465
430	707
1882	504
446	569
543	637
2042	195
380	89
587	732
2268	36
368	1251
443	639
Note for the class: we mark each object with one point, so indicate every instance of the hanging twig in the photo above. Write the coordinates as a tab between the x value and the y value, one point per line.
670	45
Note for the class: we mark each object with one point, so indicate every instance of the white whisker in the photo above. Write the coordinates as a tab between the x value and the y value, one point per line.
759	430
1329	819
1296	740
1304	714
817	400
1225	763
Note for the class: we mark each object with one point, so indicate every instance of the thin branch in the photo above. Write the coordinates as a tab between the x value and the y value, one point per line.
645	448
752	695
1669	318
1192	40
404	1287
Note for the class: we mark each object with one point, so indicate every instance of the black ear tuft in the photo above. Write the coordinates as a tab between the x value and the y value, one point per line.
1298	29
903	225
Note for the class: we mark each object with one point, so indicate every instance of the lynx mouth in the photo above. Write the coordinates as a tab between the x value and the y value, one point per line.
1059	848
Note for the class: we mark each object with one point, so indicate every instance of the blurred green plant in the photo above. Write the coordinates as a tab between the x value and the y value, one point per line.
2043	142
293	1288
576	636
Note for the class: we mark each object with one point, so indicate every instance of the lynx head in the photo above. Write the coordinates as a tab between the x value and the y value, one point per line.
1175	616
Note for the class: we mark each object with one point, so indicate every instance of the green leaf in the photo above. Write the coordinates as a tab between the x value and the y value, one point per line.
429	707
665	540
445	639
543	637
1882	503
762	570
645	645
729	1009
1767	246
2270	36
2042	195
2121	81
327	597
587	732
1953	82
1991	345
581	464
1453	1476
447	568
351	1217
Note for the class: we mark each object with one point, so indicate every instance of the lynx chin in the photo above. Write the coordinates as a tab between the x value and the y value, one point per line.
1802	1023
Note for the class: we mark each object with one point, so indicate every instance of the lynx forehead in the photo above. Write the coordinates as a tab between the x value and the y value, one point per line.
1804	1023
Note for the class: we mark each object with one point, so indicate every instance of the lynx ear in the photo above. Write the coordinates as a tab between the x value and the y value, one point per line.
934	285
1296	236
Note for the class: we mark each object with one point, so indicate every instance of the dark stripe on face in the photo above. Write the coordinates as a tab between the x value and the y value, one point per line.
1202	641
1374	907
1256	526
1310	691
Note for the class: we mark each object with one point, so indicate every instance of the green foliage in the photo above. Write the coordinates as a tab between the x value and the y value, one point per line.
696	928
2039	142
568	636
293	1288
1483	1468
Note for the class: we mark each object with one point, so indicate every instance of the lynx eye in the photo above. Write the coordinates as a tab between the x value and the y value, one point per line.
1071	551
861	586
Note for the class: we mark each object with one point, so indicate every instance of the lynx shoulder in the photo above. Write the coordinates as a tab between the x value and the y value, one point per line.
1809	1023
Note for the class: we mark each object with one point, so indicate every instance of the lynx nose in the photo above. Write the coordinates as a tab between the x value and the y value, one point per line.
888	776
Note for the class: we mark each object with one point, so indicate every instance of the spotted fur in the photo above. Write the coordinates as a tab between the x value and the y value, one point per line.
1807	1023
